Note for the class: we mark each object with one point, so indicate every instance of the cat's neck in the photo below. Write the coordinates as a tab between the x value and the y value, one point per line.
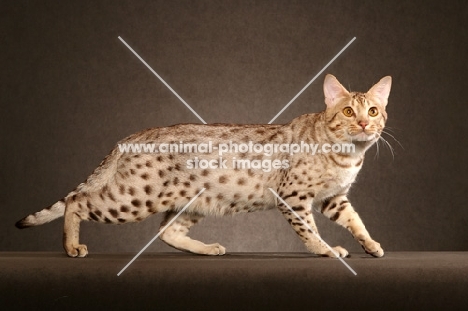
309	128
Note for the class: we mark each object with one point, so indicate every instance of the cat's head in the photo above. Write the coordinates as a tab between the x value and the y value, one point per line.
354	117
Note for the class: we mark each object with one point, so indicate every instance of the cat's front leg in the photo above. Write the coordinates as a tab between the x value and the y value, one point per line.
300	203
339	210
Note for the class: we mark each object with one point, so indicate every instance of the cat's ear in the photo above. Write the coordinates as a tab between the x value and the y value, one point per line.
381	90
333	90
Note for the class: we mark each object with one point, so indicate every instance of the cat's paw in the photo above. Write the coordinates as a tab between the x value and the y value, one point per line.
373	248
338	251
215	249
77	251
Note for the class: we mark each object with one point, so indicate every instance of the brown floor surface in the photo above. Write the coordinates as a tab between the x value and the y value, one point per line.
283	281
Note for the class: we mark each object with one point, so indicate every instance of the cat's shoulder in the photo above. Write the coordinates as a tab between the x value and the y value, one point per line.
308	117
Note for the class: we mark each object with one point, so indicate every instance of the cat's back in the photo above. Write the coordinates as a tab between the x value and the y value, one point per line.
190	132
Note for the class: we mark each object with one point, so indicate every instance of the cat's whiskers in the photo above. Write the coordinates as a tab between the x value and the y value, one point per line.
386	143
385	132
378	150
388	128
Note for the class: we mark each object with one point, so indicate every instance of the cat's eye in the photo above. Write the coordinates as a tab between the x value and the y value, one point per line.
373	111
348	111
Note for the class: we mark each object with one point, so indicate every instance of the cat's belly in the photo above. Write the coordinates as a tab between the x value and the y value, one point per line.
228	200
170	185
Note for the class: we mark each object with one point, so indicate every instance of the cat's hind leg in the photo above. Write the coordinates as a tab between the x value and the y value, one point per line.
71	230
176	235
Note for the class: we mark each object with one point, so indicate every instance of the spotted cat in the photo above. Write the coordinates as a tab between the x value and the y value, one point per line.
130	186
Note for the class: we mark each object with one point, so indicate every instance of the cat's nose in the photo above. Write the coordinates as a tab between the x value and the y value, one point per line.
363	124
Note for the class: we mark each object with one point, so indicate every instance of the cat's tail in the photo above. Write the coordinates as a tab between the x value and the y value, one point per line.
44	216
96	180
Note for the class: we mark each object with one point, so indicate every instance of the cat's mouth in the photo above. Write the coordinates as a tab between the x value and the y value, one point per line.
363	136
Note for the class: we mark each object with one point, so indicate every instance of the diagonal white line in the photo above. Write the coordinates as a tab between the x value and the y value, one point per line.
313	231
160	231
162	80
311	81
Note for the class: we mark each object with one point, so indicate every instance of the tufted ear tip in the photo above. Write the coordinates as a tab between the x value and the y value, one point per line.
386	80
329	76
